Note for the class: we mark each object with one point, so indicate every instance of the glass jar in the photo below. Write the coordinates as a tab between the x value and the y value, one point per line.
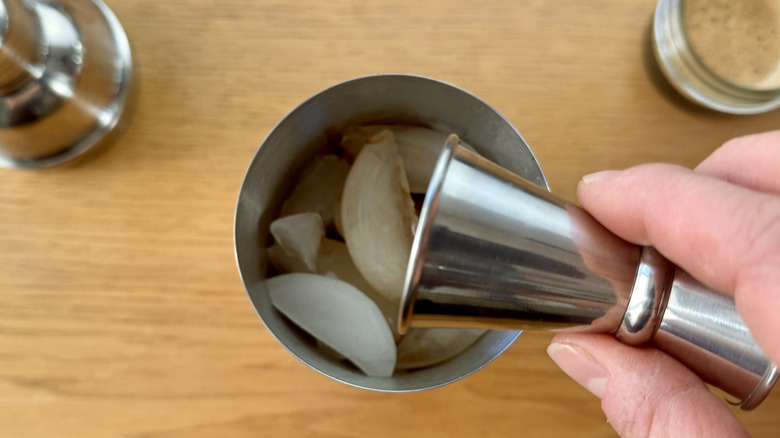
722	54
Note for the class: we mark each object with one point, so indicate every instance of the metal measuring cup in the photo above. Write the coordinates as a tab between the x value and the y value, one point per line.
493	250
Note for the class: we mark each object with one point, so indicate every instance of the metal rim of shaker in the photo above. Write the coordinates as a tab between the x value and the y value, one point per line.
693	80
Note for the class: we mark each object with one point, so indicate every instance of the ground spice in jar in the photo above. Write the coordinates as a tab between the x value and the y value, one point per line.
738	40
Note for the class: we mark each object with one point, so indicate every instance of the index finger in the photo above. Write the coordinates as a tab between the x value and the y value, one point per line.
726	236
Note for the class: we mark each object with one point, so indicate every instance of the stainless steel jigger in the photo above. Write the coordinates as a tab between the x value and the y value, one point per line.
65	70
493	250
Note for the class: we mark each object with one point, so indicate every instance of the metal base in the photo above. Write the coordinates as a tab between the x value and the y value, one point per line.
106	116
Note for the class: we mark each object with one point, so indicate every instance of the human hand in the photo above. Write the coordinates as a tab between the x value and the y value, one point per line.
719	222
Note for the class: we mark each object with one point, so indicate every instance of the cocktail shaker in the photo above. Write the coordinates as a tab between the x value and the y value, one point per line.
65	73
311	128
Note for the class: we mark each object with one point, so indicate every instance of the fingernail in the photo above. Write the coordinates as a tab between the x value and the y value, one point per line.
599	176
580	366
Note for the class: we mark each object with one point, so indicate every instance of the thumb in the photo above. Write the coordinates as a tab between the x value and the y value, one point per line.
644	392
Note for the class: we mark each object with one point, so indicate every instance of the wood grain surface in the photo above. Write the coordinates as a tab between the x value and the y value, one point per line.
121	309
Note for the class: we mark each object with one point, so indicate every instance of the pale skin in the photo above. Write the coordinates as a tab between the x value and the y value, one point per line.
721	223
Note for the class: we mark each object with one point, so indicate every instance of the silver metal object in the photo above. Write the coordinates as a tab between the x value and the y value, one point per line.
65	71
493	250
315	126
686	73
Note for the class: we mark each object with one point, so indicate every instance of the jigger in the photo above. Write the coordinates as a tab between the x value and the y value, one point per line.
65	72
493	250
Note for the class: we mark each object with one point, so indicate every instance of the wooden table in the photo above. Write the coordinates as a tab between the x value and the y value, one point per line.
121	309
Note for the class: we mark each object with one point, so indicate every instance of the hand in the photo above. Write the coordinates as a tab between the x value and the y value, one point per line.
721	223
